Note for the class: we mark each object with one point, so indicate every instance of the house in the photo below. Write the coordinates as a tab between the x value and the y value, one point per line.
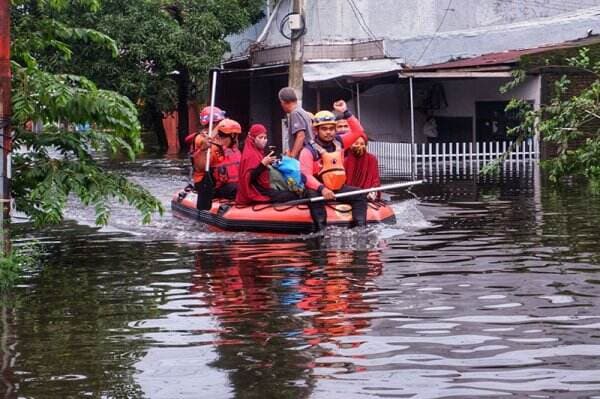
422	75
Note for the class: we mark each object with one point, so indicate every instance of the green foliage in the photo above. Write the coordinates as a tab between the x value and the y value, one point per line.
566	119
50	166
155	38
13	263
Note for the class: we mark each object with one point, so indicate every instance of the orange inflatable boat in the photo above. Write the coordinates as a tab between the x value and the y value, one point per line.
273	218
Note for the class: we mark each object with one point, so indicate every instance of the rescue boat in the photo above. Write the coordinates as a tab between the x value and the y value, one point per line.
273	218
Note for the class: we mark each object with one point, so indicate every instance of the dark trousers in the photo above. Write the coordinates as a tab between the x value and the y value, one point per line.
358	203
278	196
227	191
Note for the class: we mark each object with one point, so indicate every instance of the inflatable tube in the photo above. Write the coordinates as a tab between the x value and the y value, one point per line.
272	218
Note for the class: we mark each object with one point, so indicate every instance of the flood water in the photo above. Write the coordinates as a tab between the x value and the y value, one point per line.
485	289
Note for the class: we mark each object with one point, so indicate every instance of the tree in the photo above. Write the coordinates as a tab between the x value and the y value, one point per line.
58	162
570	121
166	49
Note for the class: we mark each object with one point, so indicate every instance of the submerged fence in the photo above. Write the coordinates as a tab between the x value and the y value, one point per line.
439	159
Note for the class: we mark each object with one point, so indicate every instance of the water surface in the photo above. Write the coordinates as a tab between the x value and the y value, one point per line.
483	289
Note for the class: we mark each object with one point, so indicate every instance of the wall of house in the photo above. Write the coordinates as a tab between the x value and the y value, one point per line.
385	109
462	94
331	20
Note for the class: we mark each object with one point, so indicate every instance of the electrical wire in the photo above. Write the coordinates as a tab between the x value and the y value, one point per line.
365	27
554	7
435	33
295	33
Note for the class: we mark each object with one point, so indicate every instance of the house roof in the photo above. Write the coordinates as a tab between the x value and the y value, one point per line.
494	60
318	72
537	33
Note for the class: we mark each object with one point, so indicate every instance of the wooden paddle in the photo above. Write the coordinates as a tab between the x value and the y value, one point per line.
206	187
357	192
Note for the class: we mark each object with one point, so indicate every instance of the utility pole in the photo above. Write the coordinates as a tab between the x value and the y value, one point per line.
5	109
298	28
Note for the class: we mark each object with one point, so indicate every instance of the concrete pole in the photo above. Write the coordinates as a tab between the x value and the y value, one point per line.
296	74
5	108
413	148
358	100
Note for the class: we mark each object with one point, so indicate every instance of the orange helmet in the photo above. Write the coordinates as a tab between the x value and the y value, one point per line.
229	126
218	115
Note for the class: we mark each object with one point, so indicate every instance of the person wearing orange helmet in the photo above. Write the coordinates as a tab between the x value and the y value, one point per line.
224	158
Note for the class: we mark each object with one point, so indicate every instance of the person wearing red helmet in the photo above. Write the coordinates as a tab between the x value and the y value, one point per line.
196	141
218	116
224	158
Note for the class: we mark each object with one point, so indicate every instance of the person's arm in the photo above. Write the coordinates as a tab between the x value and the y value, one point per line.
306	167
376	179
356	131
256	172
298	144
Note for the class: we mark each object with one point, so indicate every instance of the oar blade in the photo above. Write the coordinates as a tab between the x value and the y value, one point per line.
206	192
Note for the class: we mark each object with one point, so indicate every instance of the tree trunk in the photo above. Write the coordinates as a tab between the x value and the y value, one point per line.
183	84
156	123
5	110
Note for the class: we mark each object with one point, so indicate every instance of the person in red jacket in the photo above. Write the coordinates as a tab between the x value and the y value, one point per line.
254	186
322	163
362	167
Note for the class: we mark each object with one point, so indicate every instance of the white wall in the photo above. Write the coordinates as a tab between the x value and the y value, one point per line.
385	109
331	20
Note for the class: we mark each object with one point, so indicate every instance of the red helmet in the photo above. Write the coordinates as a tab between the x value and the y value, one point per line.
229	126
218	115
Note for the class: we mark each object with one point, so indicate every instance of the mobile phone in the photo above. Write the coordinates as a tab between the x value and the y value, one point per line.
272	149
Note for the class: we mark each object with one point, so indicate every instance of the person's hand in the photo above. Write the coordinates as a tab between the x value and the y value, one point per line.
340	106
328	194
372	196
269	159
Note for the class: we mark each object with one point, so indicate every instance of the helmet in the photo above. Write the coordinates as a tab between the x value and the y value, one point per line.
324	118
229	126
218	115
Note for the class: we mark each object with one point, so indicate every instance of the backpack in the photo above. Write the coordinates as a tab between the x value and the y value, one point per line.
288	169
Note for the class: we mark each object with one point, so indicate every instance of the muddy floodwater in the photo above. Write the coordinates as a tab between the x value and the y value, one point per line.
484	288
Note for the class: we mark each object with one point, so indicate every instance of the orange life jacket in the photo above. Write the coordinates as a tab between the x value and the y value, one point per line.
330	165
227	168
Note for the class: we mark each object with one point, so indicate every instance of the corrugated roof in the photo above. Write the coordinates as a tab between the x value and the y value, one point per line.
504	57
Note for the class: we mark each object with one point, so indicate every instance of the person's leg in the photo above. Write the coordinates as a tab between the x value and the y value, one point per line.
358	203
227	191
317	211
280	196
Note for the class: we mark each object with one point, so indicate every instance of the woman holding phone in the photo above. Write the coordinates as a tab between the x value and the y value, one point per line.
254	185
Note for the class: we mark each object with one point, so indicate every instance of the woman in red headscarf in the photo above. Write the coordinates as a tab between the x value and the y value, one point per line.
254	186
362	169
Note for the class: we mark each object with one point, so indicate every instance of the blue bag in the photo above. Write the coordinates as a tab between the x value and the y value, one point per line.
290	170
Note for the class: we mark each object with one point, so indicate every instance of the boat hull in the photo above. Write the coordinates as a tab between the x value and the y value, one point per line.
272	218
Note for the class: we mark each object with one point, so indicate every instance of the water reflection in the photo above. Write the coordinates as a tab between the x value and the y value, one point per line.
265	309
